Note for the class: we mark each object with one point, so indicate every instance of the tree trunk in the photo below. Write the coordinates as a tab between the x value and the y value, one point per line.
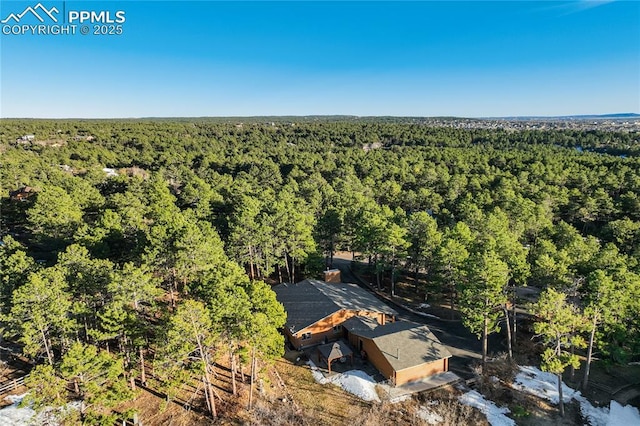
206	393
171	288
232	358
506	317
286	264
484	341
513	337
212	401
393	271
452	289
143	373
585	380
46	347
572	370
253	373
561	402
279	274
205	362
251	263
293	269
331	253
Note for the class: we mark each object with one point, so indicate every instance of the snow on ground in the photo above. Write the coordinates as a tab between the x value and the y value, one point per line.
429	416
355	382
317	374
545	385
542	384
619	415
14	415
495	415
358	383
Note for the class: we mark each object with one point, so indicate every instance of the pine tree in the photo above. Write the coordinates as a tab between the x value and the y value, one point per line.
482	296
98	378
559	325
40	315
189	342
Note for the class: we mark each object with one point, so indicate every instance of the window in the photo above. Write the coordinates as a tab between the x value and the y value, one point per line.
305	336
337	328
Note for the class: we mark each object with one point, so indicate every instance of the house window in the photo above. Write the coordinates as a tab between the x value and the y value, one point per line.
337	328
305	336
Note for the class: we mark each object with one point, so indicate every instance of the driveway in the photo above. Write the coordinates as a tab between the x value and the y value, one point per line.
463	345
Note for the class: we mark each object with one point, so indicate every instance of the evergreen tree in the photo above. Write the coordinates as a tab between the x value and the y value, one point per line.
558	328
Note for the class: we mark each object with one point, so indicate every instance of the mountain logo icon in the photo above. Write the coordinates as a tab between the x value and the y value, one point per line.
38	11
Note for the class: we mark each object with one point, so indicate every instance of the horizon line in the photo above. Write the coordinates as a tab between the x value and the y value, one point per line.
494	117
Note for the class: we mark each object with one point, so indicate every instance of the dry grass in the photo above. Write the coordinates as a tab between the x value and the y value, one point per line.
319	404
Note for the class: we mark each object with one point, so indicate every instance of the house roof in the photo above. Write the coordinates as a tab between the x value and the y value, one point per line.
357	323
405	344
309	301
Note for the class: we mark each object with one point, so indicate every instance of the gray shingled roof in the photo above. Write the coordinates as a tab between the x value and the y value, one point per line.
405	344
352	297
308	301
354	324
335	350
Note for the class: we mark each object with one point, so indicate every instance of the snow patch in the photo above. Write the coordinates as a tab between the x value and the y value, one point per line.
619	415
542	384
14	415
355	382
545	385
429	416
495	415
317	374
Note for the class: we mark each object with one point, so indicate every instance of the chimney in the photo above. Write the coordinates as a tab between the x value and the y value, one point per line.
332	276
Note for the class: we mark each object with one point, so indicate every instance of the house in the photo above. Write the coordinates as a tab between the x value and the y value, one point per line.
316	310
319	312
21	194
26	138
110	172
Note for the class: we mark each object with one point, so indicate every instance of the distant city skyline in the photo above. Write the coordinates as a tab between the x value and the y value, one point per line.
202	58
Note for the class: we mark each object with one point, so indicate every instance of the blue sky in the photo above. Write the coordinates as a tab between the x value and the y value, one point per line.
203	58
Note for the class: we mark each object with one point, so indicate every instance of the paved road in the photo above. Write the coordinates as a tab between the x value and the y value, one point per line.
464	346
